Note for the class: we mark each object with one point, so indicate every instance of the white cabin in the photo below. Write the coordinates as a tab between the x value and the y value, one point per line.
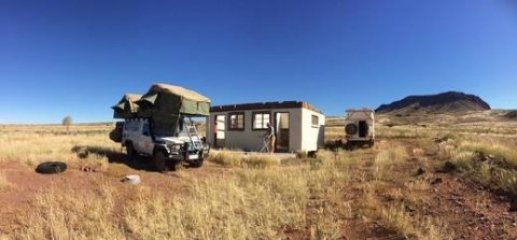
298	126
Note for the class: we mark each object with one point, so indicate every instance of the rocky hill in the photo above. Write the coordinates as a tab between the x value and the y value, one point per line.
448	102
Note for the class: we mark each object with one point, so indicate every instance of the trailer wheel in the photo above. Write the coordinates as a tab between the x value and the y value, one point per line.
160	161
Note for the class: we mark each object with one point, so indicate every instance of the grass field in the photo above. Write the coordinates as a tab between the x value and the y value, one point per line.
399	189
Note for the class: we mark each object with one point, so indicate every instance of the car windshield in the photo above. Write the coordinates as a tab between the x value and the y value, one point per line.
166	128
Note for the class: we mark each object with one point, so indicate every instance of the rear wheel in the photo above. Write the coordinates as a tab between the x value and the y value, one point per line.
130	151
160	161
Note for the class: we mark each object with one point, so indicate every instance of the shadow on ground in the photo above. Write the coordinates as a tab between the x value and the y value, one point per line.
137	163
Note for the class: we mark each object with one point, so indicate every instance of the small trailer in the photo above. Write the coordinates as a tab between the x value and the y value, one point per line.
360	127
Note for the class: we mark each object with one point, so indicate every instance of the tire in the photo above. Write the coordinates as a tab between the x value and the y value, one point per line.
130	151
51	167
197	163
160	161
351	129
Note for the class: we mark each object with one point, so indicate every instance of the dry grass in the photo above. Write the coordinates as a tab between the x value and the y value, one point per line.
252	204
228	158
249	206
413	227
387	159
72	215
498	150
4	183
35	144
253	196
258	199
464	154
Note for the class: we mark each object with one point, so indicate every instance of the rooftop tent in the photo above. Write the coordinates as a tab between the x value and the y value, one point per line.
164	101
126	107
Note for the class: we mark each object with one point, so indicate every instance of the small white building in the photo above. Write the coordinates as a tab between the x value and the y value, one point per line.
298	125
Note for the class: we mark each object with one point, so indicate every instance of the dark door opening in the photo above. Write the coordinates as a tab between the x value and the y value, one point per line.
282	132
363	129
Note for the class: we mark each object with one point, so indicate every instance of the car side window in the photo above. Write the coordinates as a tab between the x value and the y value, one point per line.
145	130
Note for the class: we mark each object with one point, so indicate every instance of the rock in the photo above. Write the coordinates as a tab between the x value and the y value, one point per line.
513	204
436	181
132	179
448	167
88	169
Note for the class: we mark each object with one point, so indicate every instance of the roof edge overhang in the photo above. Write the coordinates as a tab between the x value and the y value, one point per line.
264	106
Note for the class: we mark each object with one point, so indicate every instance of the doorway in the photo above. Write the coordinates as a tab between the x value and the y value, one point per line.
363	129
220	129
282	132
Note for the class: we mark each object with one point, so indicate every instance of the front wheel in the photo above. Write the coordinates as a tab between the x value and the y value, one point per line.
197	163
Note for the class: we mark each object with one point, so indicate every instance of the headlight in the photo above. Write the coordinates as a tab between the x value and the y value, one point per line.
175	147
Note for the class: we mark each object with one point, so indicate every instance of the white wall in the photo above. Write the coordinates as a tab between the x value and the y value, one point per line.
312	136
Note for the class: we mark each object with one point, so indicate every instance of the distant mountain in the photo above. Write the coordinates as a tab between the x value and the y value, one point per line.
448	102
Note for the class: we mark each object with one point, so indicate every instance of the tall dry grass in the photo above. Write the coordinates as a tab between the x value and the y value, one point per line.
251	205
253	202
498	173
32	145
387	159
228	158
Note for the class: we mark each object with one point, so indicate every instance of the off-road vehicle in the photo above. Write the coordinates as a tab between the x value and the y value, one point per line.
360	127
159	125
164	144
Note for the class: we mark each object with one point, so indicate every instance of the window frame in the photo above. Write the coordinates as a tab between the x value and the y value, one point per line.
253	114
317	125
229	125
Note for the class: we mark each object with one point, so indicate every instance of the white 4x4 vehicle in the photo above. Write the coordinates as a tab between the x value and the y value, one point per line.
175	143
360	127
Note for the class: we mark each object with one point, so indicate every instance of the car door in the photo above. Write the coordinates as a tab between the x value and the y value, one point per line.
146	141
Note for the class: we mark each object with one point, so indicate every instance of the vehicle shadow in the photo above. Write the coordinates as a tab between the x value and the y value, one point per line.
137	162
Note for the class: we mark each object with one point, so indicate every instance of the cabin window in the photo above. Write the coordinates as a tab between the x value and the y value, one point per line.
315	121
260	120
236	121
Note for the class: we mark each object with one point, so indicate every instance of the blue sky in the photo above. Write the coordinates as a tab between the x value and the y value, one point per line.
77	58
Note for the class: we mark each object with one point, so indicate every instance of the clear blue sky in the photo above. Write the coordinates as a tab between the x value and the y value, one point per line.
77	58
